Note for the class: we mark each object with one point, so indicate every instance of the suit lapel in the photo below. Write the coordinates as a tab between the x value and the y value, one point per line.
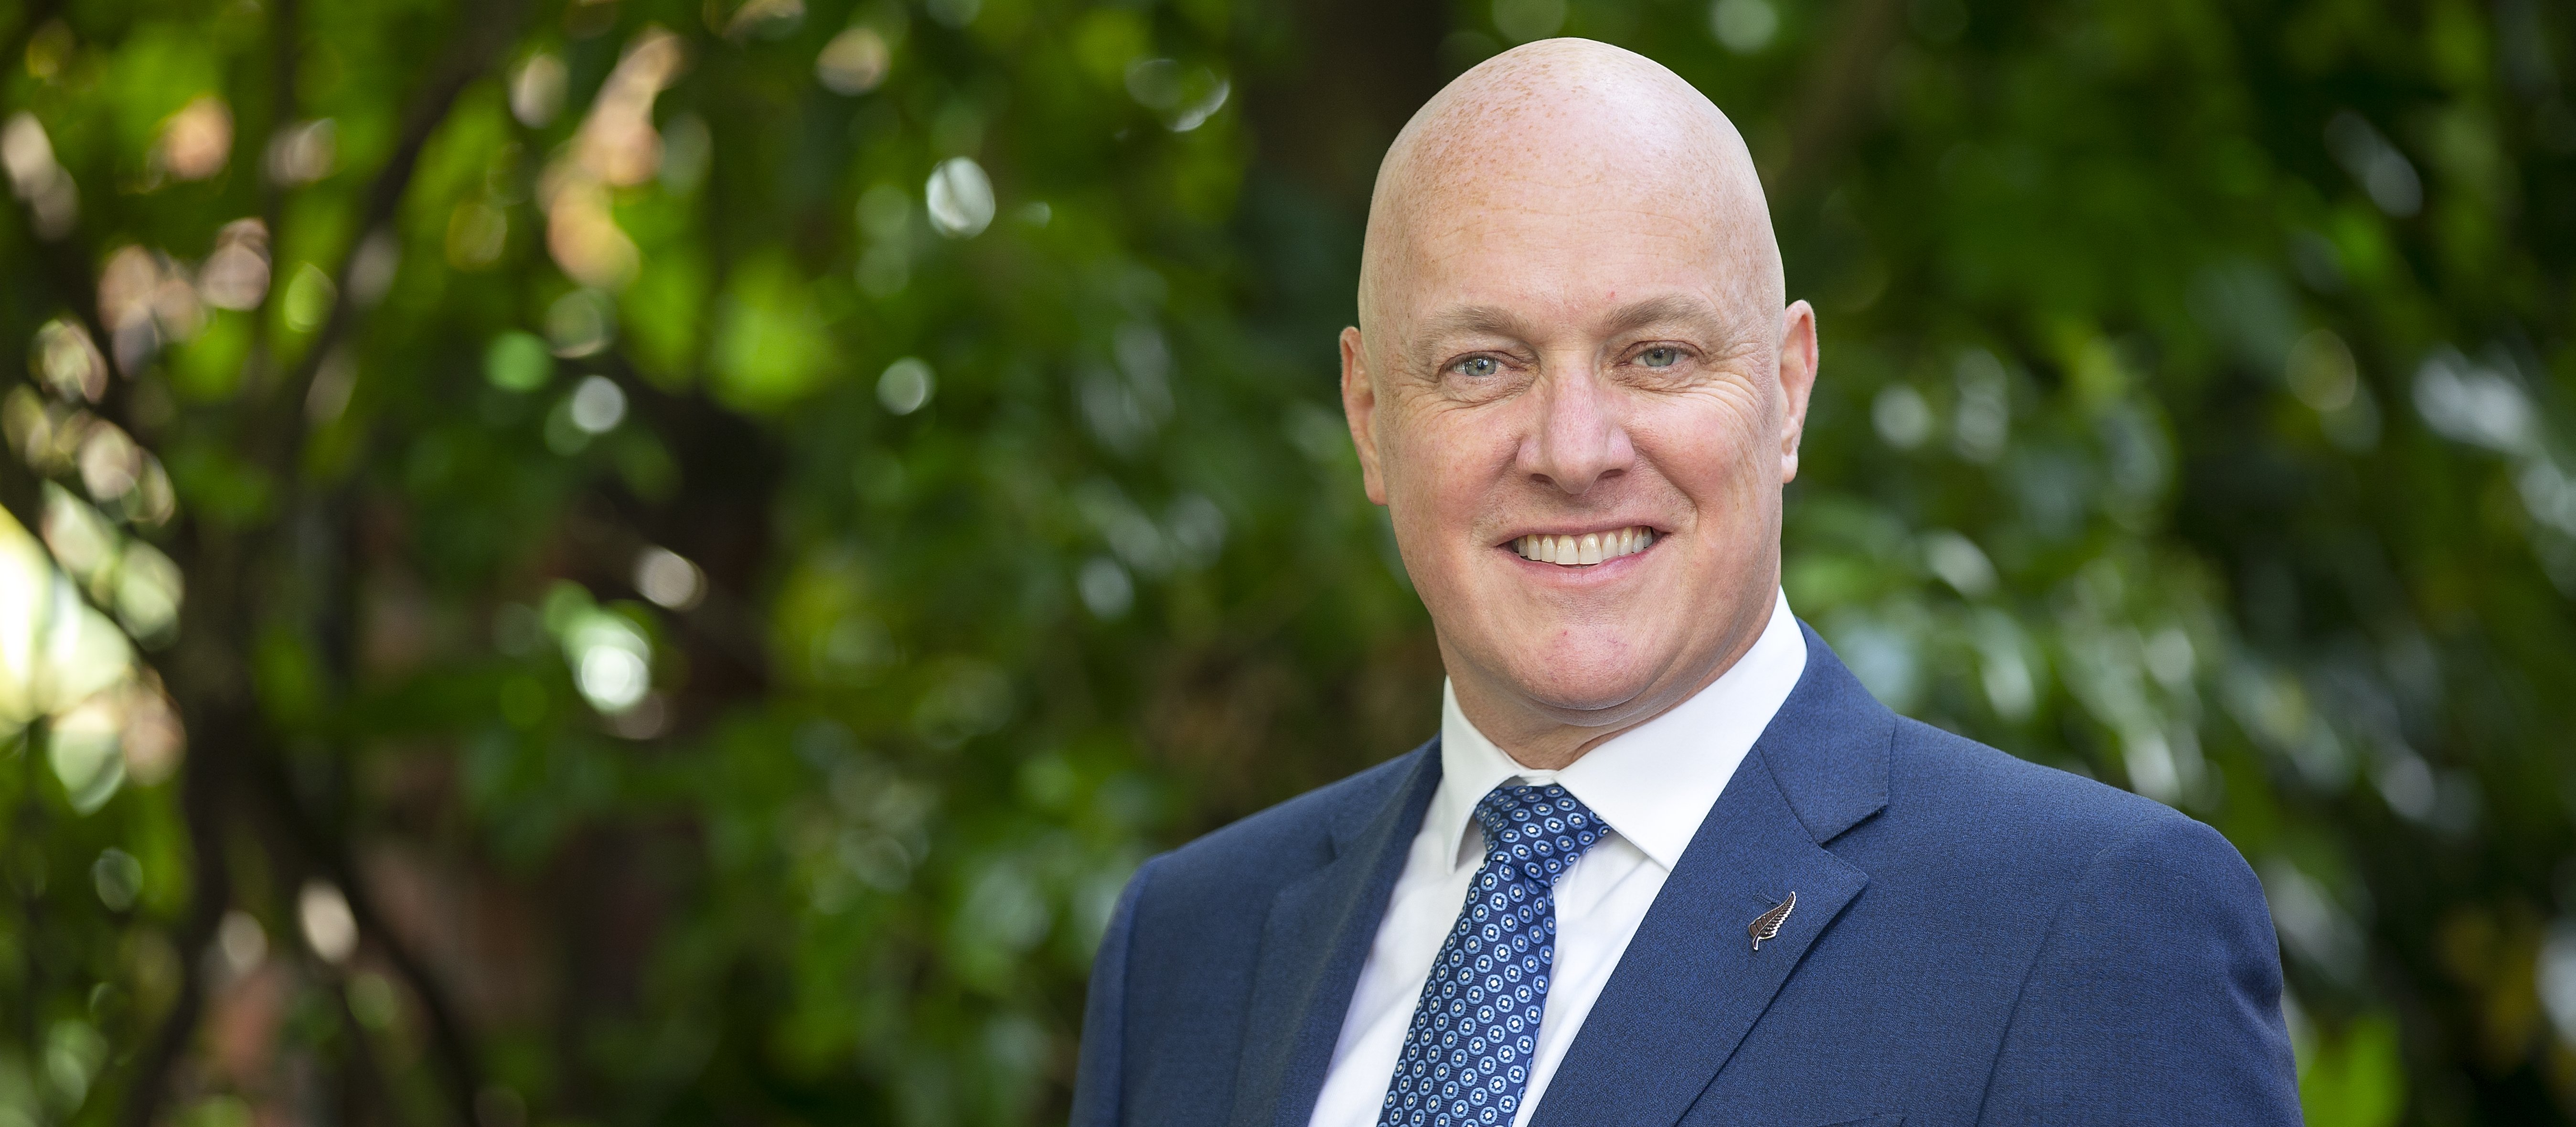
1691	984
1312	949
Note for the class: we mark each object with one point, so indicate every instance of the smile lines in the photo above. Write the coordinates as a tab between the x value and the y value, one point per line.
1587	549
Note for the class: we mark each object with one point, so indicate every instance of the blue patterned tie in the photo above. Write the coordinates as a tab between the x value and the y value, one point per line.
1467	1054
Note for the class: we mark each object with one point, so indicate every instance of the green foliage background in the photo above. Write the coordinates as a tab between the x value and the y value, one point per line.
2195	415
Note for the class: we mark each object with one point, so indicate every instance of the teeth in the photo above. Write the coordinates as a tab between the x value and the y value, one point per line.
1587	549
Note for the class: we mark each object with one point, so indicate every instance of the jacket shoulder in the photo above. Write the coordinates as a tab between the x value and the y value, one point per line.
1291	836
1993	845
1971	803
1953	772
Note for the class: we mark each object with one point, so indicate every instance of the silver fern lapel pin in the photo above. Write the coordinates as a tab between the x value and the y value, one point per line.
1767	925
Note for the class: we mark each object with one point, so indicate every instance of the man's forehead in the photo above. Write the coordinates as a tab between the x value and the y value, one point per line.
1602	264
1479	212
1555	166
1453	319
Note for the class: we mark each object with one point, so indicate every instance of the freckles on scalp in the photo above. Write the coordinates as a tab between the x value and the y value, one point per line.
1565	128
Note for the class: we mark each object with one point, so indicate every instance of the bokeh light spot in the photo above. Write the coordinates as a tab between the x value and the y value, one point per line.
1744	26
580	323
1105	587
669	579
329	927
308	298
598	405
612	677
118	879
854	62
906	385
518	361
304	153
197	141
960	198
2321	371
242	942
537	90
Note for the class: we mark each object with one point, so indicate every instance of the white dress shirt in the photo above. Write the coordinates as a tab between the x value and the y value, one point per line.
1652	784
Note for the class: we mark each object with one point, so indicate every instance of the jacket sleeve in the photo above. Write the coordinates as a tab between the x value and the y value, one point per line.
2156	997
1098	1078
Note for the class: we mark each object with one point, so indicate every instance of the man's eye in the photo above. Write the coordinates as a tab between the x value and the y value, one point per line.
1660	357
1478	366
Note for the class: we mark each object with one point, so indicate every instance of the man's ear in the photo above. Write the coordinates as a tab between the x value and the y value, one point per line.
1797	381
1359	407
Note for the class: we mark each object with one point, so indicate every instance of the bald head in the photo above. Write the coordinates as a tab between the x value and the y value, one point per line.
1564	127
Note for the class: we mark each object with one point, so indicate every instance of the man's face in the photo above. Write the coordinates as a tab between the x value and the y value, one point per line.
1579	414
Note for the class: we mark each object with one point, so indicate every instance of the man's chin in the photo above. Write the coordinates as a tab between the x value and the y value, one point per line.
1599	694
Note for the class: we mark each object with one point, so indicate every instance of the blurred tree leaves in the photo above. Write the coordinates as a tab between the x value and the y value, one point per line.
728	593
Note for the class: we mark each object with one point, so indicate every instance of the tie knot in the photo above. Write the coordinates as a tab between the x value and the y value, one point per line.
1538	830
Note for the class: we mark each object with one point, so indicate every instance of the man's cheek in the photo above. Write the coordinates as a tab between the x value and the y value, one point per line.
1708	445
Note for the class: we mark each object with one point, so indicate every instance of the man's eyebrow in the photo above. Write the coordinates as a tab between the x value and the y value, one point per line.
1465	320
1491	320
1663	311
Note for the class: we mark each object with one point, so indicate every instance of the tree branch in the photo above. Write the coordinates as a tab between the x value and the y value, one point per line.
67	273
36	15
1835	101
298	851
31	905
472	54
328	855
376	1087
222	720
202	807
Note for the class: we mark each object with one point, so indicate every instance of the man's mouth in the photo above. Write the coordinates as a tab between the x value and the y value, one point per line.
1586	549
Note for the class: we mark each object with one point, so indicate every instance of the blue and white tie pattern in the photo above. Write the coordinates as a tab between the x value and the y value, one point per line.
1468	1052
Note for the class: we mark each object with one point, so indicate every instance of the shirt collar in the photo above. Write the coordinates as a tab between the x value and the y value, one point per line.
1654	783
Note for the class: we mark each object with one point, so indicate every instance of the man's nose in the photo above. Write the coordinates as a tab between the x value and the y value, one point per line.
1578	438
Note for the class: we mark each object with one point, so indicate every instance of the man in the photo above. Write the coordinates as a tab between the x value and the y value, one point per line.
1667	862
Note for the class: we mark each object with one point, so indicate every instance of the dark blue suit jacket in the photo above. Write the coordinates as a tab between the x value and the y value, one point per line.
1977	940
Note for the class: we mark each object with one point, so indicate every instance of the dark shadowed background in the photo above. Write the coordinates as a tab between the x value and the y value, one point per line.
660	562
